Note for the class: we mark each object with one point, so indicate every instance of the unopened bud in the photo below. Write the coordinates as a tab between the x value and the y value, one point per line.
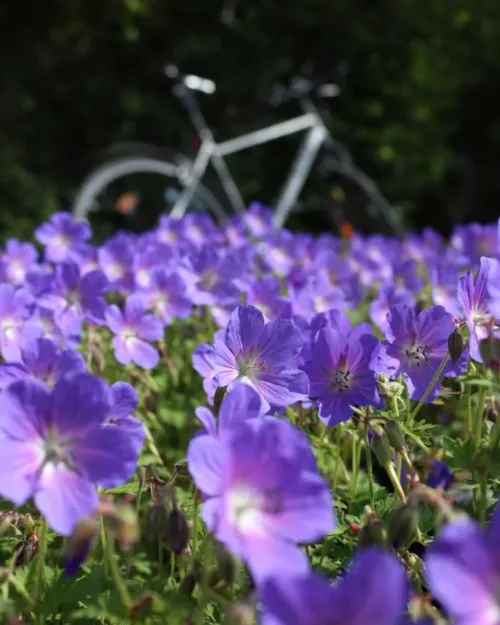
402	525
188	584
80	544
489	348
381	448
455	346
395	435
156	521
25	551
373	533
176	531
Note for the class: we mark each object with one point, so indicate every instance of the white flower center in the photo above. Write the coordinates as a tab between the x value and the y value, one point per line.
417	353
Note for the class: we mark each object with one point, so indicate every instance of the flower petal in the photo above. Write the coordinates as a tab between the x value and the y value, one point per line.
64	497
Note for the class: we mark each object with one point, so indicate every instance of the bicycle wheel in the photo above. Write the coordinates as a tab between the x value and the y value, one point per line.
341	197
134	185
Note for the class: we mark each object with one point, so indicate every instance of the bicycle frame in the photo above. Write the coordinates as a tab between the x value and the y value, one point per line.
213	153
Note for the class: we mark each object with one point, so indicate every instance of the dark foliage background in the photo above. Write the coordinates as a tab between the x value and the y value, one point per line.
419	106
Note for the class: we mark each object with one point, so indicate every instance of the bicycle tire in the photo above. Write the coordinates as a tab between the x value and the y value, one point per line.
129	159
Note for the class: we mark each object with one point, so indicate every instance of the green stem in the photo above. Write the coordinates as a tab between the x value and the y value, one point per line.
40	569
469	412
495	434
479	418
103	547
391	472
399	465
369	466
195	528
338	441
355	466
115	571
483	504
21	589
428	390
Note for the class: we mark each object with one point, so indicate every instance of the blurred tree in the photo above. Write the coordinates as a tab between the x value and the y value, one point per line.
417	107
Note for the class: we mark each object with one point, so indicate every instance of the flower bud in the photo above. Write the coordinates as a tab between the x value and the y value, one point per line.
188	584
80	544
176	533
395	435
402	525
26	550
489	348
455	346
156	521
373	533
381	448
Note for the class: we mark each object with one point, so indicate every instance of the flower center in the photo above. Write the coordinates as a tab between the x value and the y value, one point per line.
9	328
249	366
57	449
209	279
62	241
116	271
143	278
247	508
17	270
417	353
341	380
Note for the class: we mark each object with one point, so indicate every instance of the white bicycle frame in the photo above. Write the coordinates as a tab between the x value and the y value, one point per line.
213	153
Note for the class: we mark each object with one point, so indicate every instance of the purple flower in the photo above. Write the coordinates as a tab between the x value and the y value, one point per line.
444	277
75	298
17	260
475	240
200	229
16	327
166	296
373	592
124	402
473	297
258	478
264	294
317	296
202	360
63	237
41	360
263	355
415	347
242	402
133	329
215	270
116	260
494	287
463	569
388	296
169	230
258	219
50	329
278	253
405	275
340	374
54	449
147	260
440	475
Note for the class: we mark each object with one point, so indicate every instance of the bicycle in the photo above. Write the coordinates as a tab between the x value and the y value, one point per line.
186	191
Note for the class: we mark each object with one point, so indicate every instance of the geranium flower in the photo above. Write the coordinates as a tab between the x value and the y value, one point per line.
54	449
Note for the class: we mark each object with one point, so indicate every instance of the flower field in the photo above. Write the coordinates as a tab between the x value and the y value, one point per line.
237	425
